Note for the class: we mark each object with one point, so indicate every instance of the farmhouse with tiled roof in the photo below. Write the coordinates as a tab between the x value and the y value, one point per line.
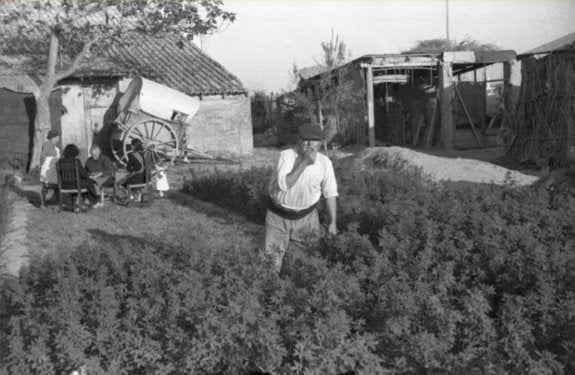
86	103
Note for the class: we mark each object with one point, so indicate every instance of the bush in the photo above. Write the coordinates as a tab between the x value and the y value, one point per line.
453	277
243	192
148	308
423	278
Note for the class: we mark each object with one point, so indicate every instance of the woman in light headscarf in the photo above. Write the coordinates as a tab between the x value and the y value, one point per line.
48	158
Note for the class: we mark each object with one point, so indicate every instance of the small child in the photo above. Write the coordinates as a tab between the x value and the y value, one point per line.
161	177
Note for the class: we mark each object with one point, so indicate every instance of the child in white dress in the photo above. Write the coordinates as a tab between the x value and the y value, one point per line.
161	177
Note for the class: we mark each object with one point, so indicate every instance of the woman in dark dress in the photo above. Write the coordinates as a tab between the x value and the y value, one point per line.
136	168
136	164
70	158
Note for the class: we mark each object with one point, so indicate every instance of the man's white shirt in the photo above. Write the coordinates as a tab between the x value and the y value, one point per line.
316	180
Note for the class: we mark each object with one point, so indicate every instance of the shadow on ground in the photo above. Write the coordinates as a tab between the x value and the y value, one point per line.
211	210
28	193
116	239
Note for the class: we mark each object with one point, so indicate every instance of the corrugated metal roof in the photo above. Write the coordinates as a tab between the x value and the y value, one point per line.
563	43
181	66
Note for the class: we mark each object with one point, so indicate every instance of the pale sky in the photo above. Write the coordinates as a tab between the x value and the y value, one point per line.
269	36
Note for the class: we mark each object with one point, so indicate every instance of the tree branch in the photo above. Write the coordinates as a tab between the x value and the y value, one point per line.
76	63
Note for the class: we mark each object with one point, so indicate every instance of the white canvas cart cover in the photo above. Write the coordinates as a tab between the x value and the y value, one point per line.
157	100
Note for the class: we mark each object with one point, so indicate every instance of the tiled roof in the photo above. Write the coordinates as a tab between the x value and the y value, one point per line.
186	68
181	66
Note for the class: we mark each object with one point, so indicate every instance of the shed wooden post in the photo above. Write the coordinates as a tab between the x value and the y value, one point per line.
507	88
446	105
484	104
370	108
318	106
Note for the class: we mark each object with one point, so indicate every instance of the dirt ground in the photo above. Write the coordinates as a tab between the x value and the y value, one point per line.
178	218
458	167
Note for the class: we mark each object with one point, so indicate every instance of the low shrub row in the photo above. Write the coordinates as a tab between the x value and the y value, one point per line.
148	308
460	277
423	278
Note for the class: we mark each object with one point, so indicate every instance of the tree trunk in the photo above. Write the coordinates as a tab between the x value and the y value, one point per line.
42	125
42	122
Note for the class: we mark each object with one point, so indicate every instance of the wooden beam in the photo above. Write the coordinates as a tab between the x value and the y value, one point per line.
319	115
428	141
370	106
402	64
446	105
492	122
484	101
506	88
548	139
468	116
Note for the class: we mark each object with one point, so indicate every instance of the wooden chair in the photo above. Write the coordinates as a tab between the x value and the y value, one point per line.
105	190
70	174
44	189
146	186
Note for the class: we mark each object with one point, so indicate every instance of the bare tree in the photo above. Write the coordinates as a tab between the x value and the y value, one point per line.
331	94
334	51
56	36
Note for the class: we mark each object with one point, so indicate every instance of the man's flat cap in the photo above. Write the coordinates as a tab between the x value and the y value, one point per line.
310	132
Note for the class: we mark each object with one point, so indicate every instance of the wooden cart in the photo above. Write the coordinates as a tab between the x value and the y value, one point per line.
156	115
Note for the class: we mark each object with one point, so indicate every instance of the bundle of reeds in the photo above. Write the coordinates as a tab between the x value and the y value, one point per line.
544	123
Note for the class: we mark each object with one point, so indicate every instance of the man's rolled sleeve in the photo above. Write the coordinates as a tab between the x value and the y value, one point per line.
329	185
283	169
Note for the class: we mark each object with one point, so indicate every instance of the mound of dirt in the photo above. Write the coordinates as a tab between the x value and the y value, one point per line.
434	167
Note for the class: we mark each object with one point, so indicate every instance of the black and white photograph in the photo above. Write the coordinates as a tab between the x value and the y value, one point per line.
287	187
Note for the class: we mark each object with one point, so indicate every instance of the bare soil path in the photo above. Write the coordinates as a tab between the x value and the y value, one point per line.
13	234
178	218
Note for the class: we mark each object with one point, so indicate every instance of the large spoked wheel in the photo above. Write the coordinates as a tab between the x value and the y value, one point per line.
159	139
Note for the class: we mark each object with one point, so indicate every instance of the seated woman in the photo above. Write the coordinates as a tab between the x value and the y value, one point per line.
70	158
136	167
136	164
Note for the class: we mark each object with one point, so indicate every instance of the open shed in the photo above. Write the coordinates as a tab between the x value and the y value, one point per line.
422	100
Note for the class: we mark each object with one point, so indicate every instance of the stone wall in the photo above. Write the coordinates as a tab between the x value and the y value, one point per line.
222	126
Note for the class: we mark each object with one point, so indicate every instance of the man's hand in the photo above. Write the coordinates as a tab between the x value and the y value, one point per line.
311	155
332	229
304	159
308	158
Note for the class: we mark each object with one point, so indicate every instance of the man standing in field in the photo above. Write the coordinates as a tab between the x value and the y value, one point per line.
300	177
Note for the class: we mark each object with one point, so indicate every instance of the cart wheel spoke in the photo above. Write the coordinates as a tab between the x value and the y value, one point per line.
153	131
146	129
142	137
156	156
169	143
160	140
